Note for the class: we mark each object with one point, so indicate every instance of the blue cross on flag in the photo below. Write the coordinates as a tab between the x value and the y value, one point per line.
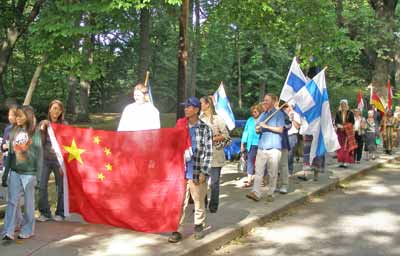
313	101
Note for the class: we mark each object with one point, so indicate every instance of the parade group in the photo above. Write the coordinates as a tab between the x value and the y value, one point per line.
269	140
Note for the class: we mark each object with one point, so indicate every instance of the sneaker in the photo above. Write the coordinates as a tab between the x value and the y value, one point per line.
270	198
253	196
58	218
7	238
21	236
175	237
43	218
283	189
198	232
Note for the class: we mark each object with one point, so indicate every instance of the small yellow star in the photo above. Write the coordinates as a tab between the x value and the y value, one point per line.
101	176
74	152
109	167
96	140
107	151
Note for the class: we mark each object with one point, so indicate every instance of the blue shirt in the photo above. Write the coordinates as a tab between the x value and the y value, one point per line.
250	137
189	164
269	139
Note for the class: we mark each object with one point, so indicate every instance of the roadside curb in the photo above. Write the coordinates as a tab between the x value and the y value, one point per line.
218	238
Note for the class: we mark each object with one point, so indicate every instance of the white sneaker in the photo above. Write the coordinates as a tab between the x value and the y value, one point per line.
43	218
283	189
58	218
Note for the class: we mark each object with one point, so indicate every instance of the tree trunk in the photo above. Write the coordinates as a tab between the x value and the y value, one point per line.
239	71
397	70
195	49
13	33
71	100
35	80
144	48
385	13
84	84
339	13
262	92
182	57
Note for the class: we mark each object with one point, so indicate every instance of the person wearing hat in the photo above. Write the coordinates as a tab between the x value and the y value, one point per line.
198	165
140	115
344	122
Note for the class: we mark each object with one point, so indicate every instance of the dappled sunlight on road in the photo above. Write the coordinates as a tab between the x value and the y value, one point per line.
281	234
376	221
361	219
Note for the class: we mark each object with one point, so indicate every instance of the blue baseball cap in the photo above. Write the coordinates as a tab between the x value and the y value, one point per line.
192	101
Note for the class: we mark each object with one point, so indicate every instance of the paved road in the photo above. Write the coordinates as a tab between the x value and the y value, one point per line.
362	219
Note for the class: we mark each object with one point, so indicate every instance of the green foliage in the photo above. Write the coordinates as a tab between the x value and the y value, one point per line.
264	35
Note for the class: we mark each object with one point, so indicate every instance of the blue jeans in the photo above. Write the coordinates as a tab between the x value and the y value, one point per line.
292	144
19	184
44	207
251	159
215	174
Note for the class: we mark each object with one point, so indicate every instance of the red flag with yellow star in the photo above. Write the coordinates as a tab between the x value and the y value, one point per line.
132	180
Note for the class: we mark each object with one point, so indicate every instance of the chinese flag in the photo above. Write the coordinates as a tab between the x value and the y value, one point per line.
132	180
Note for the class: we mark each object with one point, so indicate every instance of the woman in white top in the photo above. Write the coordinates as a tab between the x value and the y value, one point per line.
140	115
220	137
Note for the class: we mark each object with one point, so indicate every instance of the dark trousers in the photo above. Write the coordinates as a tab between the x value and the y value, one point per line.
360	146
44	207
215	174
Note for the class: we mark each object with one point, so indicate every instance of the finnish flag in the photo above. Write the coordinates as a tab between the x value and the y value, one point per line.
223	108
295	80
313	101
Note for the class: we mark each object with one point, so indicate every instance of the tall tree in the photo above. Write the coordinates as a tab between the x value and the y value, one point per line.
384	55
35	79
182	56
195	47
18	24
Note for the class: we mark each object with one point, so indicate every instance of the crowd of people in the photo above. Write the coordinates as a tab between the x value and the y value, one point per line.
269	139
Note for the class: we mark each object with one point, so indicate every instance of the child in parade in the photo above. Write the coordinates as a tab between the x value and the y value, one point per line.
4	148
23	164
371	133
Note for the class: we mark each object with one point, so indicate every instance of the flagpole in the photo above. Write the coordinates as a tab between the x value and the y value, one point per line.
146	79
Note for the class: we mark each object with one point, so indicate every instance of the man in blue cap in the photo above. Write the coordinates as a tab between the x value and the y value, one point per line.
198	163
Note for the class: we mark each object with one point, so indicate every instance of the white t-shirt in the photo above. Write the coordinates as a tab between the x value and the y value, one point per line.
139	117
296	118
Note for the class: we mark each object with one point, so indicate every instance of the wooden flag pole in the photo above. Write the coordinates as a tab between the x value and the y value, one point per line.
146	79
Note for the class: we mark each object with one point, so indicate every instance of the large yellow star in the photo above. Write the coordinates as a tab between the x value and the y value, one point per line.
74	152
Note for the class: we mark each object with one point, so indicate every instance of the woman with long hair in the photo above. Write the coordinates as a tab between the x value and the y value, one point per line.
50	164
220	138
24	163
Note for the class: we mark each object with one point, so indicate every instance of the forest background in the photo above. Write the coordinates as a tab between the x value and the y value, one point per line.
89	53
